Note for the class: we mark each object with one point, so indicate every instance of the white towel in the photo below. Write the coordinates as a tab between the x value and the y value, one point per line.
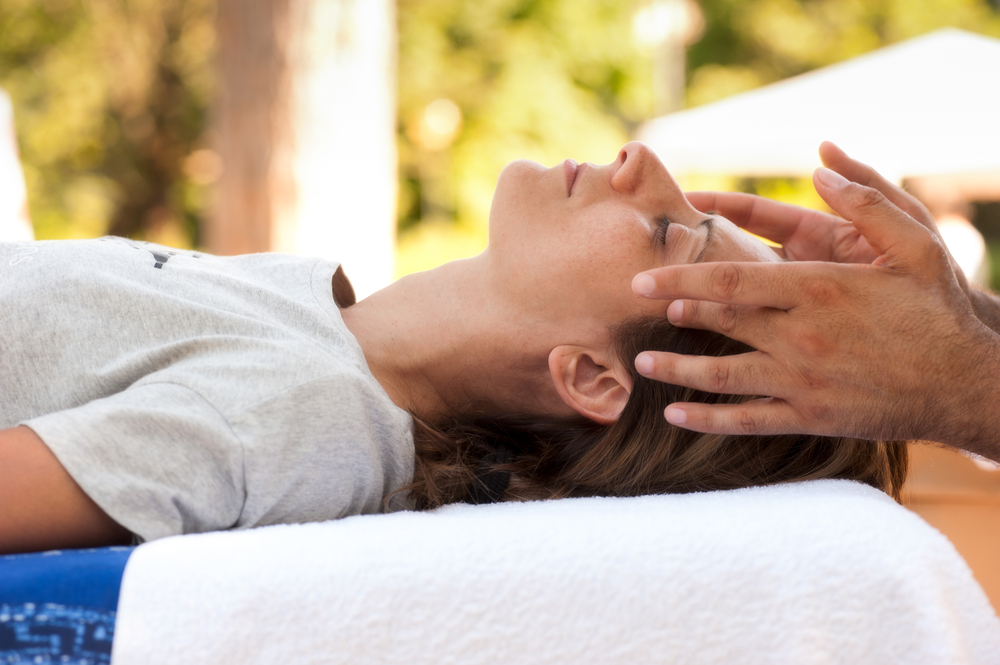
816	572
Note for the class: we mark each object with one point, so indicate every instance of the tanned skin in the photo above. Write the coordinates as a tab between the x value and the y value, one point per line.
41	506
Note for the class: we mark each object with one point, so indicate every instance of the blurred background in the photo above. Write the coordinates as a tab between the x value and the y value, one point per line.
133	117
373	131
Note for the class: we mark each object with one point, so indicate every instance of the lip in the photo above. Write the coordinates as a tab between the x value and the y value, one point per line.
571	171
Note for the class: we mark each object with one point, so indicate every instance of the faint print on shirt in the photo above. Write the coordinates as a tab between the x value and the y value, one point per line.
160	257
22	255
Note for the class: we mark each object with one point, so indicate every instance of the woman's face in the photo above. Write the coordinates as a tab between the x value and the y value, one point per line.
567	241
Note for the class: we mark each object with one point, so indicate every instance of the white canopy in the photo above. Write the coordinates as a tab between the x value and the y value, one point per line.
14	223
927	106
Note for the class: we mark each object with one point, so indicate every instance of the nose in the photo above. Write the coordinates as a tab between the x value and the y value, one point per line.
632	164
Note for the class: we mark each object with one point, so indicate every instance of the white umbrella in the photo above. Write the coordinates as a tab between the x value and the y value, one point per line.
927	106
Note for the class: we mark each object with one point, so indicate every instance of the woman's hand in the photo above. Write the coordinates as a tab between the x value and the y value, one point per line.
887	350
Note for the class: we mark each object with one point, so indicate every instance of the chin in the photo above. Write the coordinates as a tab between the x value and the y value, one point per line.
514	187
519	170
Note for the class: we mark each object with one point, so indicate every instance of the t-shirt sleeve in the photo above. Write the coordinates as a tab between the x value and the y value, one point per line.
321	450
157	458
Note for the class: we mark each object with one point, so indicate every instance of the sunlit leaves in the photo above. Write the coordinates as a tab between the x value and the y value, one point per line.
109	99
535	79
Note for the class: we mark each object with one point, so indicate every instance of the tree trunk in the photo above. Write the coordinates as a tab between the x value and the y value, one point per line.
305	127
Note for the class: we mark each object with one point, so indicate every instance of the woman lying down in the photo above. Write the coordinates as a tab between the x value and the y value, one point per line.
146	392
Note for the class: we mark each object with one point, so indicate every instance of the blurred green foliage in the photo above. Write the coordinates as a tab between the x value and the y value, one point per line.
111	98
535	79
550	79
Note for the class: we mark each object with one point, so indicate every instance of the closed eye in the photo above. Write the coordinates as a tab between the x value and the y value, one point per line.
660	234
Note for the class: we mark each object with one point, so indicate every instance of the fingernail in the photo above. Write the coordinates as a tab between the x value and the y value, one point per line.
675	311
831	179
644	364
643	284
675	416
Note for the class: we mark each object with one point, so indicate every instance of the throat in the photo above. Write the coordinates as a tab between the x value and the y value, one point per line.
420	340
439	348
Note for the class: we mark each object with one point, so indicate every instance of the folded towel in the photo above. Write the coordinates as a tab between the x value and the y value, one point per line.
815	572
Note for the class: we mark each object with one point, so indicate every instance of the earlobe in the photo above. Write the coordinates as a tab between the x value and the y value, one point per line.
590	384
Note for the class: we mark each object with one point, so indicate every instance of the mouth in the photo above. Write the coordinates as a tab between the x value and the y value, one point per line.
571	170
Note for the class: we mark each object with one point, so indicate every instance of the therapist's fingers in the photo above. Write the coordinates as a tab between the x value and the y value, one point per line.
763	284
754	326
741	374
761	216
804	234
766	416
836	159
892	233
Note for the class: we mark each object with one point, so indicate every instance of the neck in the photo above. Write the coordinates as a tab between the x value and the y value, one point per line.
439	345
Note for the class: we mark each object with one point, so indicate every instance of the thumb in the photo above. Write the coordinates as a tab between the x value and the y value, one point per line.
891	232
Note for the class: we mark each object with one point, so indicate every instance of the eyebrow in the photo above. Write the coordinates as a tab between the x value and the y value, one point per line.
710	223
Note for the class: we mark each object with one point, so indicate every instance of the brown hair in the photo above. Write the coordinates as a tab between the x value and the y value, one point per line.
641	453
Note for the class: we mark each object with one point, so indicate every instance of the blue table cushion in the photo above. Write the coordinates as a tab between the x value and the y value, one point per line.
59	607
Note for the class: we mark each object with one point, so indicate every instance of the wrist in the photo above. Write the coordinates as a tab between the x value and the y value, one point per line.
986	307
975	421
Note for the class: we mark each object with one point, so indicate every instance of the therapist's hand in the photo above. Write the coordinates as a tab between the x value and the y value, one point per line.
889	349
803	234
811	235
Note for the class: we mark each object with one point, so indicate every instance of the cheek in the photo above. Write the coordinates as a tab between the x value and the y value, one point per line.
599	274
607	253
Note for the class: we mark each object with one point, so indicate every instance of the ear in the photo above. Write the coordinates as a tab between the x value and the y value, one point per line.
590	384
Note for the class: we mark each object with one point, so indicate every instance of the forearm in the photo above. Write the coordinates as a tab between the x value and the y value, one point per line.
975	418
41	506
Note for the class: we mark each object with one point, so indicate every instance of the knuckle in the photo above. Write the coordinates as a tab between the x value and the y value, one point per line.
692	312
725	281
824	292
727	319
867	197
814	342
718	376
744	421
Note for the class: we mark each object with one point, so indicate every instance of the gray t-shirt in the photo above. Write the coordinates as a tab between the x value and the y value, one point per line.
186	392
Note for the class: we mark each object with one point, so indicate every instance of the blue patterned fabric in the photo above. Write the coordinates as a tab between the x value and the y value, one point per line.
59	607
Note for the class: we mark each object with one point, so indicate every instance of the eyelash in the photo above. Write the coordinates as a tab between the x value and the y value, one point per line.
660	235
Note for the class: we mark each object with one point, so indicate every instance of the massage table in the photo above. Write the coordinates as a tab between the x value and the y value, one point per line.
813	572
59	607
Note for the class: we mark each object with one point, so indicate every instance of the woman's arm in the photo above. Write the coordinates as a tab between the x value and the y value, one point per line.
41	506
